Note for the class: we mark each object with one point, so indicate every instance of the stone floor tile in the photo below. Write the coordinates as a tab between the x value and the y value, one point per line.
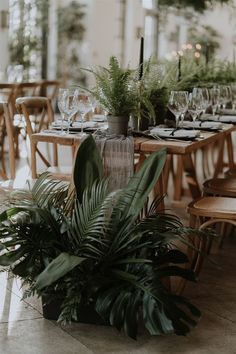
13	309
37	337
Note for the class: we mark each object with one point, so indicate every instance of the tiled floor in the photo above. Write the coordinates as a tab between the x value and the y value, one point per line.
23	330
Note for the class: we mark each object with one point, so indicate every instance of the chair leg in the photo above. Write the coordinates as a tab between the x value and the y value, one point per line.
190	254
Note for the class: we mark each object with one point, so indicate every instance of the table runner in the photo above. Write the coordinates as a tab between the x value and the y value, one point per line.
118	158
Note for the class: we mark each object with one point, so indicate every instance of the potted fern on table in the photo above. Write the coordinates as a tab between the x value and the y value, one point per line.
112	91
89	247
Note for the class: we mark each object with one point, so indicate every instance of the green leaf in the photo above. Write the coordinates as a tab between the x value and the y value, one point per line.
132	315
59	267
177	272
135	194
88	166
11	257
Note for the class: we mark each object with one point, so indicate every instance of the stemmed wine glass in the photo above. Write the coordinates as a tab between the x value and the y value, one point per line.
205	99
178	103
68	105
71	105
84	106
195	103
224	95
61	102
233	95
214	98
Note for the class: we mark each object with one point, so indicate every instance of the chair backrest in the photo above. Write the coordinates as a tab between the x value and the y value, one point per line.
41	108
6	125
7	94
26	89
49	88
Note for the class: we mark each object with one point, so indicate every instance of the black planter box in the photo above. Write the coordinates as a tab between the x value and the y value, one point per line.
87	313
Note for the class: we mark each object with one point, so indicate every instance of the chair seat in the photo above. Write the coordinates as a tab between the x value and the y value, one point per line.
230	173
62	173
213	207
220	186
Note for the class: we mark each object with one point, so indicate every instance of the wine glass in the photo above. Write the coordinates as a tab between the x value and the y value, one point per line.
71	105
205	99
214	99
84	106
178	103
233	95
224	95
195	103
94	103
61	103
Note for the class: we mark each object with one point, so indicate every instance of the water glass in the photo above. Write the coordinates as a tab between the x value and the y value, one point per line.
195	103
214	99
84	106
178	104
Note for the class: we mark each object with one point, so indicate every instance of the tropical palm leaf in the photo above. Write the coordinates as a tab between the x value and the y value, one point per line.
88	167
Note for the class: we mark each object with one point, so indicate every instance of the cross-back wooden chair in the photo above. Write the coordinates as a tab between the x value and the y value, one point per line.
43	117
7	94
6	129
26	89
49	88
207	212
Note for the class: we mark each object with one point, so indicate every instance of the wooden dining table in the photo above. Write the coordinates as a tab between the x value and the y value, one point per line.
145	146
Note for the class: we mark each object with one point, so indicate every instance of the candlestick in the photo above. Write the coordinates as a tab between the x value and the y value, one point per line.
207	54
179	68
141	58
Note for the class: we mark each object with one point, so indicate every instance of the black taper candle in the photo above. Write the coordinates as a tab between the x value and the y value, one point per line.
179	68
141	59
207	54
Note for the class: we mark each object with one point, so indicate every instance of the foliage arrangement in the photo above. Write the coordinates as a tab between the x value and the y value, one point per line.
92	246
194	73
199	5
113	88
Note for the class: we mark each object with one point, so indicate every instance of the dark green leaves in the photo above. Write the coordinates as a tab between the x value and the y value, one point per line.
135	194
60	266
88	166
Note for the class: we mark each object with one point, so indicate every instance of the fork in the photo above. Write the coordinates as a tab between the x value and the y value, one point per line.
157	137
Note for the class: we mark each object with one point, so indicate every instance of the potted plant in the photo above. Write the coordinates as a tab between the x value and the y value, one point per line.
89	247
113	91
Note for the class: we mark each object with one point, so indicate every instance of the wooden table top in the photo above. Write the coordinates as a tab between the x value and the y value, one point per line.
144	144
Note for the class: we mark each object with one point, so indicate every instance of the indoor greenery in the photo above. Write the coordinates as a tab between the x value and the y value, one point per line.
112	88
198	5
91	246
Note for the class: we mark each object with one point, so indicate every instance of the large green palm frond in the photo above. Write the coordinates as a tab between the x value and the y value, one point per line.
90	220
140	287
44	192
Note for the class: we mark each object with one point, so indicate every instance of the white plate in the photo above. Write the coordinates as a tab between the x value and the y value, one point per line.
203	125
218	118
227	119
227	111
176	134
98	118
76	126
